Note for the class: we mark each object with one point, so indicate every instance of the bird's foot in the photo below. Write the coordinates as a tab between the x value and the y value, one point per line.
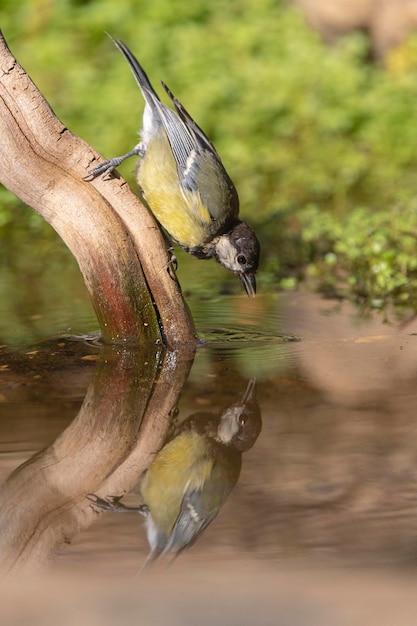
173	261
108	166
105	168
112	503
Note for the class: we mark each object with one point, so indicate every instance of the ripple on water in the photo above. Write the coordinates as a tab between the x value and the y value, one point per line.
249	332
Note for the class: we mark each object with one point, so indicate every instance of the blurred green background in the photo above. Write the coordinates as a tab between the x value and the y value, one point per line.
321	142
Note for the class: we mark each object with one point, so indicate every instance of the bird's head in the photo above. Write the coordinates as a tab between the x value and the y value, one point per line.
238	251
241	423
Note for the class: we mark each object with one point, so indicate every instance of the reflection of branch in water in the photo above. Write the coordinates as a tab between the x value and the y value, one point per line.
122	422
192	476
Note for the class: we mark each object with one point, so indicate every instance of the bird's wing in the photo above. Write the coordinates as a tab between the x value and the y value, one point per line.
183	114
190	523
199	167
183	144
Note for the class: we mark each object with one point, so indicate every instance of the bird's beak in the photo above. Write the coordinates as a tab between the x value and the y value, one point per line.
249	283
249	394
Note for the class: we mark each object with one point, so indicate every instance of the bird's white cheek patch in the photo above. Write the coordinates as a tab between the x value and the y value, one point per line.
226	253
229	426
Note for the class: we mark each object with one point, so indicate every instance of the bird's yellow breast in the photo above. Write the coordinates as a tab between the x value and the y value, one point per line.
184	463
180	212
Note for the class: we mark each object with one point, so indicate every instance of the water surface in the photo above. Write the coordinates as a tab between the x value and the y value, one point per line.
330	481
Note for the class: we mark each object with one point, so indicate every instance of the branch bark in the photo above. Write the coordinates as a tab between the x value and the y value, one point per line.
123	422
115	240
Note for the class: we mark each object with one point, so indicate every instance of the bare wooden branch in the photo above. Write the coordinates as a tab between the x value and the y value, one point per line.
111	234
121	425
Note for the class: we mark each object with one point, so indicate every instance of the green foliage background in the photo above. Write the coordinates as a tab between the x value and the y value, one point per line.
321	143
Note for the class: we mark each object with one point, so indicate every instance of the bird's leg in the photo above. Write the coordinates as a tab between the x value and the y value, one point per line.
108	166
112	503
173	261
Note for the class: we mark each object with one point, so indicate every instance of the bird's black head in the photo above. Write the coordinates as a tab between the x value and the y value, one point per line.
238	250
237	426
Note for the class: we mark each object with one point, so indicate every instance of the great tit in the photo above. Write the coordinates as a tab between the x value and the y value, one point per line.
192	476
185	184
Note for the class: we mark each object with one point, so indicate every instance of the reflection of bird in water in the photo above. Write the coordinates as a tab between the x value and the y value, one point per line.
192	476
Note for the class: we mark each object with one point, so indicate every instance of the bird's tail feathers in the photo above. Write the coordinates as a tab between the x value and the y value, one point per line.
139	73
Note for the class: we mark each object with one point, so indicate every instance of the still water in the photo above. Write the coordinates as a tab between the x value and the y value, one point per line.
327	485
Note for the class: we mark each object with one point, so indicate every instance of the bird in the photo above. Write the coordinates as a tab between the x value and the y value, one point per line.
184	183
192	476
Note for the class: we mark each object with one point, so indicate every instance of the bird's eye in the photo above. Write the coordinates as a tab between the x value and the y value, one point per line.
242	420
241	259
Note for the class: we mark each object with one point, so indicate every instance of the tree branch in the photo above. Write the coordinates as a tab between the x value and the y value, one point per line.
115	240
